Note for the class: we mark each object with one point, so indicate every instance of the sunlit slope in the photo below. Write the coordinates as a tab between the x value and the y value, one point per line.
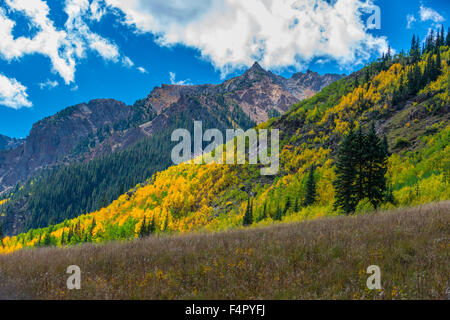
213	197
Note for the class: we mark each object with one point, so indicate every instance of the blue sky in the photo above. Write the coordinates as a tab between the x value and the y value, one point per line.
57	53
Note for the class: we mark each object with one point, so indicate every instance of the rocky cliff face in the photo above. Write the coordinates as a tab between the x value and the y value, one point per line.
7	143
102	126
61	138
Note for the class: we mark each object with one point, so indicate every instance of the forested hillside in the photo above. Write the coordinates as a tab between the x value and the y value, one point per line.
401	103
85	156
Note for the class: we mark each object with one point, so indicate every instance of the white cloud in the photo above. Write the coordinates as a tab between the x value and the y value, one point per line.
13	94
48	84
82	37
142	70
48	41
63	47
410	19
428	14
278	33
126	62
74	88
172	77
97	11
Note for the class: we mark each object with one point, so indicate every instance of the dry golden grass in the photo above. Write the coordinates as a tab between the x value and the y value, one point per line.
320	259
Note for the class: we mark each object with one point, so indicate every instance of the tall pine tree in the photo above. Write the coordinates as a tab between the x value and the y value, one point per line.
346	174
310	188
248	216
375	167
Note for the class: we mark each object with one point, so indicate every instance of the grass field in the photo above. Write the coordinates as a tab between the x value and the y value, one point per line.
319	259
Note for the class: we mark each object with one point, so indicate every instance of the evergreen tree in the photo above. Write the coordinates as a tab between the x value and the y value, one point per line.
1	231
360	158
376	167
415	50
151	226
287	206
143	232
345	174
47	239
69	235
310	188
278	214
296	204
448	37
442	37
248	216
264	213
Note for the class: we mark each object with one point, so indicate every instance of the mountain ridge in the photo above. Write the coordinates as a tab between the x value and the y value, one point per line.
102	126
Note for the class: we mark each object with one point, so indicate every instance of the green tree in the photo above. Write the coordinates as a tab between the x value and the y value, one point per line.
264	213
375	167
248	216
346	174
448	37
287	206
310	188
278	214
47	241
143	232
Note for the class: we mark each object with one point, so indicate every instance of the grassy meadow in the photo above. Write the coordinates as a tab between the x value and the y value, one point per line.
324	258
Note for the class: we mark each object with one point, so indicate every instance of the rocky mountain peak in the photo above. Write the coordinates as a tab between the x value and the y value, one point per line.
255	71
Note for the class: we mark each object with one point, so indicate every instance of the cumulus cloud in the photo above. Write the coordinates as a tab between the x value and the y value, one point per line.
278	33
48	41
173	80
428	14
80	34
48	84
63	47
13	94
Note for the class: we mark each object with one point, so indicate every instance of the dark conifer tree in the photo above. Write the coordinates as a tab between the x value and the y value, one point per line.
143	232
248	216
376	167
346	174
442	37
278	214
360	160
264	213
310	188
296	204
287	205
448	37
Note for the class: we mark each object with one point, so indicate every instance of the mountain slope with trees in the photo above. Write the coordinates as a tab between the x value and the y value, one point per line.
85	156
396	110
